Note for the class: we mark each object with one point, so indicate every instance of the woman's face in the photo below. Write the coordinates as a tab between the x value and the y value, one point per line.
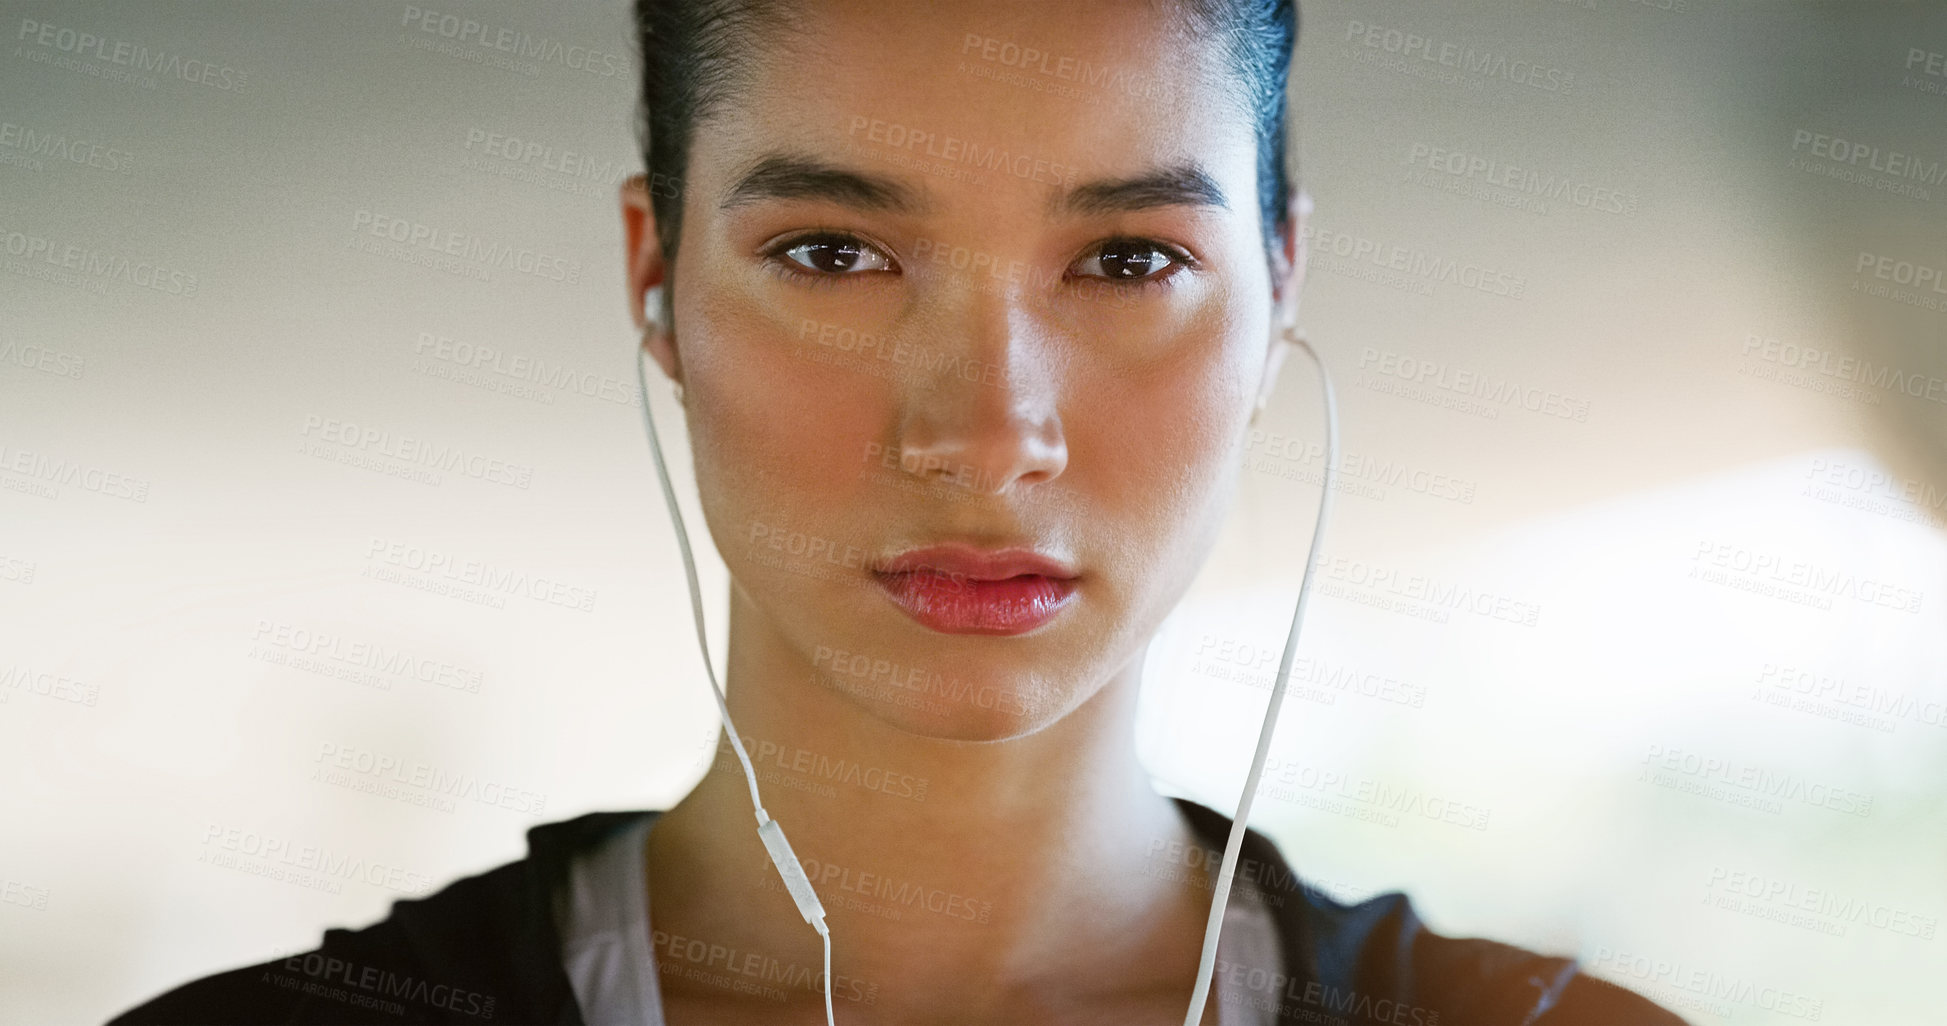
989	277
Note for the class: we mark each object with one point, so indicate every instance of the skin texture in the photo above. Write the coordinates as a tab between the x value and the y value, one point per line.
1103	427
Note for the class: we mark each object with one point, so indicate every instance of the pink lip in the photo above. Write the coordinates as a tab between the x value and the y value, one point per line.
961	589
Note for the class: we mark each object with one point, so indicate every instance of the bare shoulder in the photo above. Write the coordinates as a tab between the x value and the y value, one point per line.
1377	961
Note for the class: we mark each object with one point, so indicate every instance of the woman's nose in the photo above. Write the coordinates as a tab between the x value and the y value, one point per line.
983	410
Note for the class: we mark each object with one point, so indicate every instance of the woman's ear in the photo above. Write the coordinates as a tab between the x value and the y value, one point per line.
1287	284
1289	281
1273	362
647	270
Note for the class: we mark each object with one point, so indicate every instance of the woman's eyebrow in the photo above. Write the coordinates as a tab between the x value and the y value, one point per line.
792	176
788	176
1181	184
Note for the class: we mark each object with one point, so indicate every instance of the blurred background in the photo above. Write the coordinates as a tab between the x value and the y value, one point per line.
1631	633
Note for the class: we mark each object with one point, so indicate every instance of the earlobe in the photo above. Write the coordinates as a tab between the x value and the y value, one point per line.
1291	276
635	226
1273	362
1291	282
656	338
644	273
642	256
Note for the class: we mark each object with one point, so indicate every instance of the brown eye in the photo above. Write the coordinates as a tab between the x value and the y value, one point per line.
1129	260
834	254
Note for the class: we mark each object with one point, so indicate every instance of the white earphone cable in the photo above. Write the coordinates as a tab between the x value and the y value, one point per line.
768	829
1220	898
696	592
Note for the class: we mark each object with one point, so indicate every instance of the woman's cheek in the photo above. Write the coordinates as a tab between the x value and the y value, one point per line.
1210	409
770	438
1198	460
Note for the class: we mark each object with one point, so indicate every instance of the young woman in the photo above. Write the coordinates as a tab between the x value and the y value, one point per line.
968	306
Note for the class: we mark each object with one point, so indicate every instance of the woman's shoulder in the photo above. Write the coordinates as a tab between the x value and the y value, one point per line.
1377	961
482	949
1374	961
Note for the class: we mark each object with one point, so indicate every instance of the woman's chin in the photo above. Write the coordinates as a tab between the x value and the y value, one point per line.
992	714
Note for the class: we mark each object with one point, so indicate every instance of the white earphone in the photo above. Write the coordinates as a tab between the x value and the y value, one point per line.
768	829
772	834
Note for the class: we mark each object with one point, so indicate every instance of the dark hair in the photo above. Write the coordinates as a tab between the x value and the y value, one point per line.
695	53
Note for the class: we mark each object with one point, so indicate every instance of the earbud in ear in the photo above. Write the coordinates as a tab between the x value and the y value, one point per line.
1287	333
652	323
652	309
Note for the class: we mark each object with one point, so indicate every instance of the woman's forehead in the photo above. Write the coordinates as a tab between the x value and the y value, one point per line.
1036	98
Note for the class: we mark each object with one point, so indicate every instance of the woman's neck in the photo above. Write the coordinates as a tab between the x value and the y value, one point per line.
956	876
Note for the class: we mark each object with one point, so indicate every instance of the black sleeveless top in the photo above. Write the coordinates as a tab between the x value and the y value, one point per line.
485	949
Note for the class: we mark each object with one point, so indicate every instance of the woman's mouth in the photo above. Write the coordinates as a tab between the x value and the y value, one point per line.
962	605
963	589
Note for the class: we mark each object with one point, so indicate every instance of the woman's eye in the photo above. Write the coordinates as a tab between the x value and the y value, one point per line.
1130	260
834	254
